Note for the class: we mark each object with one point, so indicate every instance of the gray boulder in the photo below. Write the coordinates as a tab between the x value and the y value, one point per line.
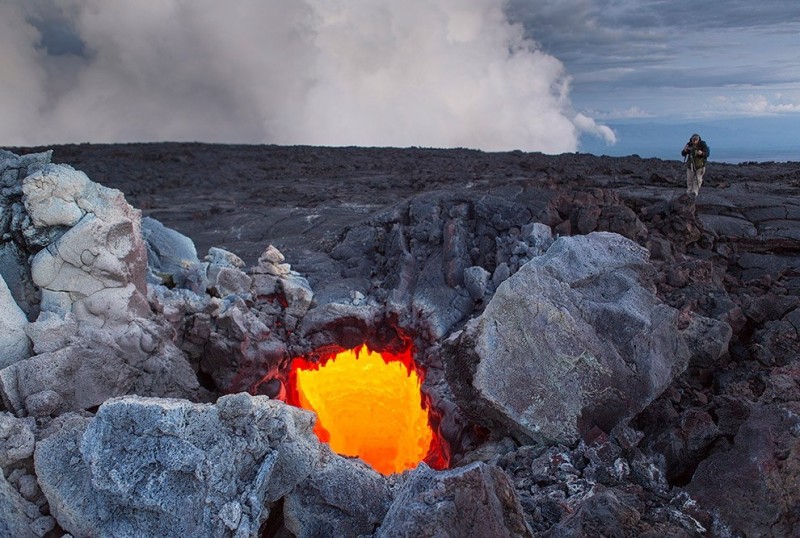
576	339
95	267
16	272
52	331
226	275
237	330
102	246
16	439
18	517
172	257
86	373
160	467
95	335
64	478
476	281
602	514
753	485
475	500
342	497
707	339
14	343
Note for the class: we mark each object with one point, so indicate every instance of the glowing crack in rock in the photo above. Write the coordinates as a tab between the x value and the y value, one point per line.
368	405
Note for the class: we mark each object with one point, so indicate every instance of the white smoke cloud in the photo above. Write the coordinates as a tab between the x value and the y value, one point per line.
588	125
441	73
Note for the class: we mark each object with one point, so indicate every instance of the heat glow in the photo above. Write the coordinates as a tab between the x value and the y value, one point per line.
368	404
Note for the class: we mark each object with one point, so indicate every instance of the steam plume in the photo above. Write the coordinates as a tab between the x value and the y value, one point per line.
441	73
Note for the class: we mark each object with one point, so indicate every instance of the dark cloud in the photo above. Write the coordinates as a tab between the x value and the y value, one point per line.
653	57
732	14
591	22
583	32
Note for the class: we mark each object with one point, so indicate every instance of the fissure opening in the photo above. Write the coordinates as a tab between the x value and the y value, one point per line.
369	405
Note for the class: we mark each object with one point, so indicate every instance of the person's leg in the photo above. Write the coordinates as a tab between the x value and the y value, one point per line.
700	174
689	180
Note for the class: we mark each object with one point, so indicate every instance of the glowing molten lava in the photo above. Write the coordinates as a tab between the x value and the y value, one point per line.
368	405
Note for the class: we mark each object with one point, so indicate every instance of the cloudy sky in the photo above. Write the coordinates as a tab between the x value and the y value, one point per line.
606	76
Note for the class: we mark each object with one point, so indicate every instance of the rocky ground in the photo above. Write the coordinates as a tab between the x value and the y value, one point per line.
696	337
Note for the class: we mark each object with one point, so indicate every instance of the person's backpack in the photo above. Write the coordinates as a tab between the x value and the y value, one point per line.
699	161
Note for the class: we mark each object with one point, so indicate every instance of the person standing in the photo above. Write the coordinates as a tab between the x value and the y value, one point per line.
696	154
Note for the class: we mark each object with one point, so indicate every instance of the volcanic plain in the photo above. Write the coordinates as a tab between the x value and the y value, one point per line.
715	451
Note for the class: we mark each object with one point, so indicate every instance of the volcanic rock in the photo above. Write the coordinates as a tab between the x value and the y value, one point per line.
233	325
172	257
13	340
576	339
443	504
707	339
84	374
157	467
754	482
20	517
95	328
16	439
341	497
602	514
336	247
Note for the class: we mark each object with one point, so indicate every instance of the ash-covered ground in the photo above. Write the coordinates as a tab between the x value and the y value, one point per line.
717	453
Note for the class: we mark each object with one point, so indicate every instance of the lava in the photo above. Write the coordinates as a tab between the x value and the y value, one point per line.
368	405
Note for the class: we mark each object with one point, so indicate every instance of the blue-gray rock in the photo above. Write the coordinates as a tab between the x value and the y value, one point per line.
172	257
87	372
14	343
476	281
159	467
575	339
475	500
16	271
16	439
342	497
18	517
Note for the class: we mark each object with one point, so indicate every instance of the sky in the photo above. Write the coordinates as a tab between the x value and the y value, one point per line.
614	77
